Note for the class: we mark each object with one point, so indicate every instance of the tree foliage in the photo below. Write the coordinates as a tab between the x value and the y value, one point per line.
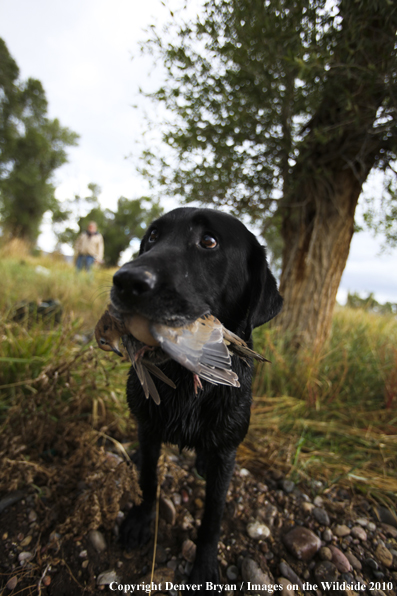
267	93
280	109
369	303
32	147
118	228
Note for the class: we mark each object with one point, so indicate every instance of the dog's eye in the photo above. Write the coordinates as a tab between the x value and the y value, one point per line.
153	236
208	241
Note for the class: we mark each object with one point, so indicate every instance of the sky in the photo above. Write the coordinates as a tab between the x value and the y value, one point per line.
86	54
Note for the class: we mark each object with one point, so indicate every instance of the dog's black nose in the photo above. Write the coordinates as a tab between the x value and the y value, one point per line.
135	280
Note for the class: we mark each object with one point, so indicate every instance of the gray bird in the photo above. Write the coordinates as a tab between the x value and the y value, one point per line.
204	346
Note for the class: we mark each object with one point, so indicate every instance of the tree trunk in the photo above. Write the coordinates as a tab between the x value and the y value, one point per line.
317	235
340	146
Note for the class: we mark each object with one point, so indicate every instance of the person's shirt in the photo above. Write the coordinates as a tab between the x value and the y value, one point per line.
90	244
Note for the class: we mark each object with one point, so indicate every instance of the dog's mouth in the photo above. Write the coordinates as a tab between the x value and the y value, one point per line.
140	342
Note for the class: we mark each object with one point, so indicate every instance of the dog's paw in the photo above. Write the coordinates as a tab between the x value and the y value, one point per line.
135	529
206	575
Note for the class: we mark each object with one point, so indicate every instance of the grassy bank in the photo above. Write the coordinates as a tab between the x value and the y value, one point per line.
332	416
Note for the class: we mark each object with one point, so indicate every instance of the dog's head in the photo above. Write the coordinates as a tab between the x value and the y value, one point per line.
196	261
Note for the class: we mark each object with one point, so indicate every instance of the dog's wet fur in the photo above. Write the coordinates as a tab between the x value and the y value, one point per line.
192	262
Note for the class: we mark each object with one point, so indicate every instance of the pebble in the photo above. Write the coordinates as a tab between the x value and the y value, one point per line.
347	577
362	521
327	535
287	485
257	530
167	510
189	550
371	563
188	521
307	507
85	564
97	540
83	554
232	573
12	583
46	580
26	541
32	517
287	589
290	574
277	474
371	526
318	501
251	572
302	543
340	560
184	496
326	571
107	577
177	498
172	564
321	516
354	562
359	532
384	556
386	516
389	530
325	553
24	557
244	472
270	514
341	530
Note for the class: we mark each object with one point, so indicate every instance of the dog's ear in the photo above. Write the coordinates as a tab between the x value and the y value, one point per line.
266	301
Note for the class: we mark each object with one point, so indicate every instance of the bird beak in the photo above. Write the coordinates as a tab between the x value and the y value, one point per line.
116	351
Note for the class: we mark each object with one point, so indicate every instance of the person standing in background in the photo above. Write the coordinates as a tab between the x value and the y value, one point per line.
89	248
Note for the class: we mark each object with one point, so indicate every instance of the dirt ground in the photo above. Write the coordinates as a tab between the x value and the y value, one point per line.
59	534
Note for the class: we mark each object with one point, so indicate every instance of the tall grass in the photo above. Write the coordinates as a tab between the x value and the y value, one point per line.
53	372
331	415
357	366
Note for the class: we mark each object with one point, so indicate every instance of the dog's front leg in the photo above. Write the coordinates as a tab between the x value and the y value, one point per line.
135	529
219	469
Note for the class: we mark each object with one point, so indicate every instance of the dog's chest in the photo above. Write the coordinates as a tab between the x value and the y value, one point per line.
216	418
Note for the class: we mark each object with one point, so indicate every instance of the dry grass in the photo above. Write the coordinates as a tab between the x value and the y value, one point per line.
332	418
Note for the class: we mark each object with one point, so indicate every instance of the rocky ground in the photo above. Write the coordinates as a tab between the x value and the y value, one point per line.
274	533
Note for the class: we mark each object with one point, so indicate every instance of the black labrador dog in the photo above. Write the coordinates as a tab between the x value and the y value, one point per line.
193	262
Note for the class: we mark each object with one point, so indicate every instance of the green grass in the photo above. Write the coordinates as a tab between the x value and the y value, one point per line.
332	416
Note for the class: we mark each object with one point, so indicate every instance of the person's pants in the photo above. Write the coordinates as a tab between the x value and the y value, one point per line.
84	262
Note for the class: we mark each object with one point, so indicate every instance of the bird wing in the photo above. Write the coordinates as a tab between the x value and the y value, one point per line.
199	347
239	347
148	386
157	372
147	382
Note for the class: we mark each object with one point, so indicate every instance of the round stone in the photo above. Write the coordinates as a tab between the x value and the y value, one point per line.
359	532
257	530
321	516
302	543
341	531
